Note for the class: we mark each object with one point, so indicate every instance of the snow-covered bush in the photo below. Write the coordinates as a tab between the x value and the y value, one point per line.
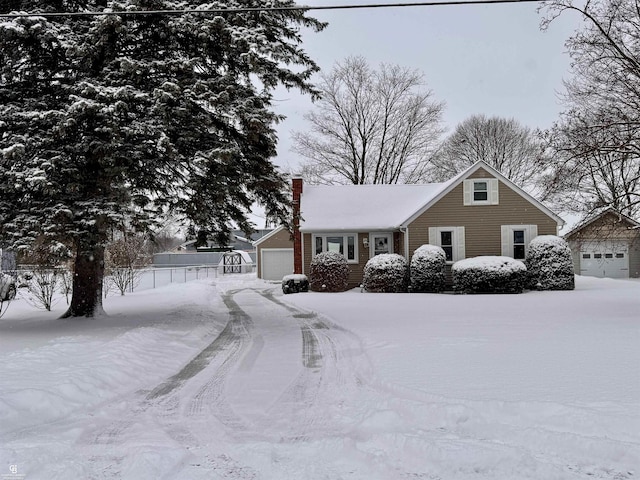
329	272
427	269
388	273
489	275
295	283
549	264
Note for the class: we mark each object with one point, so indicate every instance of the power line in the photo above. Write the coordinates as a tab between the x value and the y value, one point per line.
262	9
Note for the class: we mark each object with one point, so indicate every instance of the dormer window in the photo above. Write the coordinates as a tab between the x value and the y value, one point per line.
481	191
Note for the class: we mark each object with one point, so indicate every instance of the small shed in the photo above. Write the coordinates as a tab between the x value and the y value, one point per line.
236	261
606	245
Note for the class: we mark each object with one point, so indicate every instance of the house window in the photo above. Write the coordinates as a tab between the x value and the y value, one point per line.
381	243
516	239
518	244
446	242
451	240
344	244
482	191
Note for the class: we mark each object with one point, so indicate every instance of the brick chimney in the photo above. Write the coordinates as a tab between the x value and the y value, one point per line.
297	236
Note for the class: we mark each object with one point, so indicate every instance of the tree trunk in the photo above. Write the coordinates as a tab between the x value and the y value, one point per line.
88	273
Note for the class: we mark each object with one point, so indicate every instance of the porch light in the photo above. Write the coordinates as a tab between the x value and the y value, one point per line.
365	242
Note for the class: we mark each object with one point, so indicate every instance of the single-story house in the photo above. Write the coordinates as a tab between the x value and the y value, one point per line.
478	212
606	244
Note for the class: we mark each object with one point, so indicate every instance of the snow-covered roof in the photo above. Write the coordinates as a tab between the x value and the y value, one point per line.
383	207
585	221
362	207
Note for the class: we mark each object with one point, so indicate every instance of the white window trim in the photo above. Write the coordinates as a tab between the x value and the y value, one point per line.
506	233
372	247
457	238
345	243
493	196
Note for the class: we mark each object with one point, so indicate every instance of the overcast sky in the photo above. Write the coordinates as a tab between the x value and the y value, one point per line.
490	59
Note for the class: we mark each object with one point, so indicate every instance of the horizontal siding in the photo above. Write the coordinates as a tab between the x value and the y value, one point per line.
482	222
281	239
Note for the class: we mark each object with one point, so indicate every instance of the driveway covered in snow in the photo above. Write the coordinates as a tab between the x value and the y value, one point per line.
232	380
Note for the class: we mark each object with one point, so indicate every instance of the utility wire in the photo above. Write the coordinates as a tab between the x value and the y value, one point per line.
262	9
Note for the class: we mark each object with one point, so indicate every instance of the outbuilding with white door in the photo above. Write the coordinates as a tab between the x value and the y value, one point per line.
274	255
606	245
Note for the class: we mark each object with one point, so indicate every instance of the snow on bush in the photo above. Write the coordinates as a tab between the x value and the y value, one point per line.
388	273
489	275
295	283
549	264
329	272
427	269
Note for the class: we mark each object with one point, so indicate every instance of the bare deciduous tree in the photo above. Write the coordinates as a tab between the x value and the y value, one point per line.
370	126
124	257
505	144
597	140
587	174
42	284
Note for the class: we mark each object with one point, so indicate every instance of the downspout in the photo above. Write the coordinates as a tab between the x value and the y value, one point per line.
405	234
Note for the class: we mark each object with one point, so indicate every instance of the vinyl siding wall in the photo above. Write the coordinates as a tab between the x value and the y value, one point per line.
482	222
282	239
357	269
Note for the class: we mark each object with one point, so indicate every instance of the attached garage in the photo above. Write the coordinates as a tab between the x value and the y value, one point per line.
604	259
275	254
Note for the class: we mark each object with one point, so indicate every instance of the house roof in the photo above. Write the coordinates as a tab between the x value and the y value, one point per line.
362	207
607	211
383	207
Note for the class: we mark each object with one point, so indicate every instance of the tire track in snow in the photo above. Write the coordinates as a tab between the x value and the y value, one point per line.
229	340
163	402
329	372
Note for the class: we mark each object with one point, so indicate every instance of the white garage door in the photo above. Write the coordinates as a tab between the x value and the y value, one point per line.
605	259
276	263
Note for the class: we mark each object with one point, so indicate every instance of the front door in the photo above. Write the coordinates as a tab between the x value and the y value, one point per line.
381	243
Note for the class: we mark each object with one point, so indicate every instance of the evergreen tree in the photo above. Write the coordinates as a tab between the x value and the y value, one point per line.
113	119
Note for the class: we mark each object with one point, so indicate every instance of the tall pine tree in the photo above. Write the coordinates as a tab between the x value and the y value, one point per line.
113	119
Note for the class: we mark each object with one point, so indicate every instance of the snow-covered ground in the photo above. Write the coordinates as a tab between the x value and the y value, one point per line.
227	379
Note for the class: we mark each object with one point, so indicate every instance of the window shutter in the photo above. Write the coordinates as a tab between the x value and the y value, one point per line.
460	244
505	235
493	191
433	236
467	187
533	233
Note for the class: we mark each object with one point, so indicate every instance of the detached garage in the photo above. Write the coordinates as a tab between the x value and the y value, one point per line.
606	245
274	254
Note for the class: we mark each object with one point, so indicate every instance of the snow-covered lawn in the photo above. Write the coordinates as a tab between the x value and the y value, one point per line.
226	378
